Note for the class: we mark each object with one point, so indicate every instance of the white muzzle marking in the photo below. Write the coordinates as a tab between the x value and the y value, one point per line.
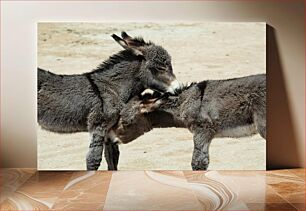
173	86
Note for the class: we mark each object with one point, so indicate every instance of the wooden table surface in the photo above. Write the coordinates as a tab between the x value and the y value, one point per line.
28	189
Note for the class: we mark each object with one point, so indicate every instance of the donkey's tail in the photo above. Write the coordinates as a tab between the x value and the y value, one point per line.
43	76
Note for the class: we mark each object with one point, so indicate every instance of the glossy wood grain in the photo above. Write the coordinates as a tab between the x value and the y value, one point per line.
26	189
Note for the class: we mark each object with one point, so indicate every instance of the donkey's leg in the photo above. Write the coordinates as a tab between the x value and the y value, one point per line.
94	154
98	124
111	154
200	156
259	118
260	122
259	113
101	122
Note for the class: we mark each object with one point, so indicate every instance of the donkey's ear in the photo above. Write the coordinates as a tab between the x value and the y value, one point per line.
120	41
125	36
129	43
149	105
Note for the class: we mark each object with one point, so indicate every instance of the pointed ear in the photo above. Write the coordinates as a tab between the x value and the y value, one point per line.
125	36
127	42
149	105
120	41
135	42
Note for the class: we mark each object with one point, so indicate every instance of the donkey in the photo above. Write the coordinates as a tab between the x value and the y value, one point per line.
213	108
92	101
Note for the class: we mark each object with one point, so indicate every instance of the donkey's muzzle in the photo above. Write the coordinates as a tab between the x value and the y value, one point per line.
174	87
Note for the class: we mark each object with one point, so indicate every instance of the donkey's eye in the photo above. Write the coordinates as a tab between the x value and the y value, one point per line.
161	68
158	69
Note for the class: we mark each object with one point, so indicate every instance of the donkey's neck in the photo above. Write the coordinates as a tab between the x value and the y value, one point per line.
119	75
163	119
189	98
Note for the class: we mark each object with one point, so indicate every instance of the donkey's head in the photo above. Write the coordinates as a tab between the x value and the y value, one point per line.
156	69
135	118
133	122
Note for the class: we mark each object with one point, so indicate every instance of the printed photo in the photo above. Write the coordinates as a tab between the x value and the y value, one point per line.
151	96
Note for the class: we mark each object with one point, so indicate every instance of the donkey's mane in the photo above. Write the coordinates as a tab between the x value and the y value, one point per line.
139	41
124	55
186	86
127	55
183	88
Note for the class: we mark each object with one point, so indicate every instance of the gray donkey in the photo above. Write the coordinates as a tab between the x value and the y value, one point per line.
213	108
92	101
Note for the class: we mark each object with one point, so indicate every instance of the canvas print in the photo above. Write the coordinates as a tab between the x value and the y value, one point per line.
151	96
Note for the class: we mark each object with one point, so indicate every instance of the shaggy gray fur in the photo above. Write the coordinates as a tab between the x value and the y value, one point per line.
92	101
213	108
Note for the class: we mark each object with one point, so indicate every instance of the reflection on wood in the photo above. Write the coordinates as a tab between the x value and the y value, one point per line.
24	189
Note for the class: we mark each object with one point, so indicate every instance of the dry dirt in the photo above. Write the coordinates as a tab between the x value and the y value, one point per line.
199	51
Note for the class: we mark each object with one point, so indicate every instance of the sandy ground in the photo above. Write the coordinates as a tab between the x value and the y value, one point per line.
199	51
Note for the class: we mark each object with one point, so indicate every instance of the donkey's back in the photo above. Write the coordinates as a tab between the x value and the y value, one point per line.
64	101
236	107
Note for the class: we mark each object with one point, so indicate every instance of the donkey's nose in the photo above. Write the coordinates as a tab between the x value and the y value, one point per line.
174	87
